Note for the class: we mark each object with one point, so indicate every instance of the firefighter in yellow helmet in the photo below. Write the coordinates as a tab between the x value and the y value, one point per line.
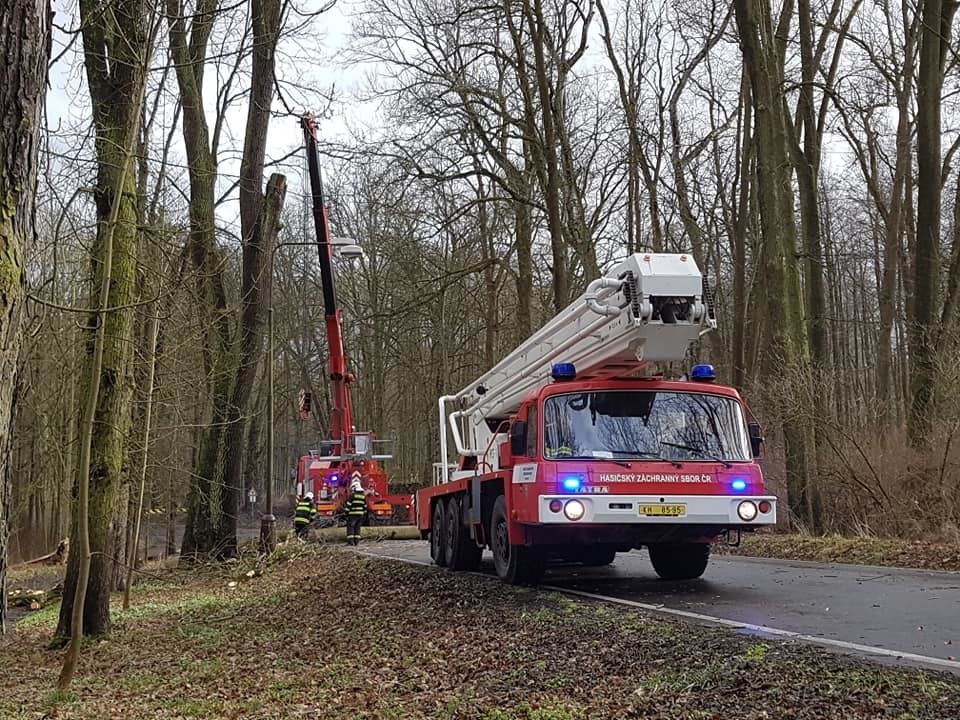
356	509
304	514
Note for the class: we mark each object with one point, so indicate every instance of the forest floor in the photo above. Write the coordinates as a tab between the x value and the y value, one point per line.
320	632
891	552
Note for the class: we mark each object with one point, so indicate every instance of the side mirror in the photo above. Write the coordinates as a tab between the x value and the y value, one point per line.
518	437
756	439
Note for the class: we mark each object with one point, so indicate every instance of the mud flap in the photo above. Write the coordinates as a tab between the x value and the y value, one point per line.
475	517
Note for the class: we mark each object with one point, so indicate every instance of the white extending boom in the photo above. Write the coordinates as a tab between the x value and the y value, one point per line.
648	308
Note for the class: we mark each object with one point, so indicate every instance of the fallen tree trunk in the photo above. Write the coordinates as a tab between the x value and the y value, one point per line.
376	532
53	558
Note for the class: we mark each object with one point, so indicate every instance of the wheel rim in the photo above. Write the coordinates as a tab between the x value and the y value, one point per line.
501	544
451	530
436	541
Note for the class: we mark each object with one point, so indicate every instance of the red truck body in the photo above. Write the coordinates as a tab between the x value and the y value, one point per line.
649	502
330	481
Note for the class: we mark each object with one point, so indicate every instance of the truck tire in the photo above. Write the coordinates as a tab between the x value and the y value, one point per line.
679	561
515	564
462	552
438	533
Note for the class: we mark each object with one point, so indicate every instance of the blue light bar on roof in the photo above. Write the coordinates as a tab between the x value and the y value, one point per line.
703	373
563	371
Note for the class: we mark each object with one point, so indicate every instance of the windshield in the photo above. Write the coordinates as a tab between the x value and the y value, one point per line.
679	426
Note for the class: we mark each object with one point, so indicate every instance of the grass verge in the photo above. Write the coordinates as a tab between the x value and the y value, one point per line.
323	633
890	552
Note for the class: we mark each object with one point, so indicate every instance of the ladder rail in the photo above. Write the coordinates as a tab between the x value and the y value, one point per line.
648	307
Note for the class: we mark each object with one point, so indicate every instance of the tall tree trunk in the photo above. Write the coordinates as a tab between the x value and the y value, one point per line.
533	13
739	236
524	284
949	317
259	226
491	303
207	501
807	162
523	221
116	53
934	41
786	339
25	50
893	228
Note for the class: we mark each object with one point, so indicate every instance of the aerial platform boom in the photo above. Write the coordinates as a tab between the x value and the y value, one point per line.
648	308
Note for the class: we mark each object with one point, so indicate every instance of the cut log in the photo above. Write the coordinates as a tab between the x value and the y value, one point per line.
375	532
27	598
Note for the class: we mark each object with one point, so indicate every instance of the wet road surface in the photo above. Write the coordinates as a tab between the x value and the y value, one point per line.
895	615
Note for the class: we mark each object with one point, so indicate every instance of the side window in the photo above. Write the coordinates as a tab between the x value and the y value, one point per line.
532	431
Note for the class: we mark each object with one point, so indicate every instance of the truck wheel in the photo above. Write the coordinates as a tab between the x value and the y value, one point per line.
462	552
438	534
515	564
679	561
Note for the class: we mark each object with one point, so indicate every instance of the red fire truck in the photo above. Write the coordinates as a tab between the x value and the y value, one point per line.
329	478
570	447
348	455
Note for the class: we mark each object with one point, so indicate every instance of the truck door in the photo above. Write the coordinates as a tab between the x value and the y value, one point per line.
521	485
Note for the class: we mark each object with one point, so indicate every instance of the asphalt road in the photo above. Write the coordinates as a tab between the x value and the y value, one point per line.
909	617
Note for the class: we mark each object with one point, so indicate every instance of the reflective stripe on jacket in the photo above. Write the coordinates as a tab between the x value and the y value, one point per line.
304	513
357	504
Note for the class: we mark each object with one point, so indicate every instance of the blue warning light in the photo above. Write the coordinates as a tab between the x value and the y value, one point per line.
563	371
572	483
703	373
739	484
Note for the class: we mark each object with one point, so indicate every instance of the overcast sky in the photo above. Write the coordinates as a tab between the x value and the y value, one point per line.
311	59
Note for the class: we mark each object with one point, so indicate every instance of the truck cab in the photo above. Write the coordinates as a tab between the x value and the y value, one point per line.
663	450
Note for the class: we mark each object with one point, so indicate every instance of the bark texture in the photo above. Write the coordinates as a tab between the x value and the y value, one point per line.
218	484
115	48
24	51
786	346
934	42
189	51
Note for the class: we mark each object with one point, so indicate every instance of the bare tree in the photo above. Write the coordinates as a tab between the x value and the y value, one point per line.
24	43
933	47
888	187
763	45
117	52
189	54
259	225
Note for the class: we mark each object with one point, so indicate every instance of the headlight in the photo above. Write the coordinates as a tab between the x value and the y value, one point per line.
747	510
573	510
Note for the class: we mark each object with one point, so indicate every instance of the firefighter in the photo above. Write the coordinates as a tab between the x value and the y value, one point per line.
305	513
356	508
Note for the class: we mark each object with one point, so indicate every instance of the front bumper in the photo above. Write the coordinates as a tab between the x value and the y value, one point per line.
625	510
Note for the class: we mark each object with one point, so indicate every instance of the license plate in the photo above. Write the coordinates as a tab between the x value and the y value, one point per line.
663	510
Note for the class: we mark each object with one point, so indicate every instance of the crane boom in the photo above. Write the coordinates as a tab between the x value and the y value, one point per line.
341	414
648	308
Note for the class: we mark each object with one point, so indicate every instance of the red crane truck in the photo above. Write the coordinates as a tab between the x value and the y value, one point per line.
348	455
568	448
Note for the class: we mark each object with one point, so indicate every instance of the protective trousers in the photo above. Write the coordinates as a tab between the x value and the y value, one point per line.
353	528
